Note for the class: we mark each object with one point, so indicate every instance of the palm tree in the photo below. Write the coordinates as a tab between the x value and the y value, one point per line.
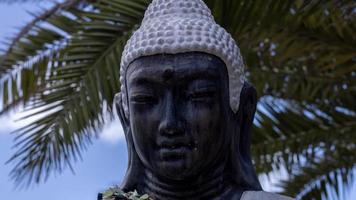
300	55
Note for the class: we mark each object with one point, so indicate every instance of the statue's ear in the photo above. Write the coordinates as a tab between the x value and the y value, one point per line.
134	169
241	158
120	111
247	110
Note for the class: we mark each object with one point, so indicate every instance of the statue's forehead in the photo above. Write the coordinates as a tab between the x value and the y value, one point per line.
179	66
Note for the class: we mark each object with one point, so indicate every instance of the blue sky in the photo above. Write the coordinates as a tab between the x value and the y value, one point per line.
103	164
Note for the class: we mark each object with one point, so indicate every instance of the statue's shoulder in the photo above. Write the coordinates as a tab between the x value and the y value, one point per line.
261	195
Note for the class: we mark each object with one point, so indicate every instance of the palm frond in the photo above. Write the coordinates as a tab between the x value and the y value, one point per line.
298	133
28	52
83	77
328	178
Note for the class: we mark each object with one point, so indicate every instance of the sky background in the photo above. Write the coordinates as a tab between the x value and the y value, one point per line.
104	163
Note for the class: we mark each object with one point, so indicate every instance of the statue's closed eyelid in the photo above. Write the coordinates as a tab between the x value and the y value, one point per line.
199	92
202	85
139	91
143	98
202	93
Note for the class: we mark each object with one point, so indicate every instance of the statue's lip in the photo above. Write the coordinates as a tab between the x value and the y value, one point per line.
174	151
172	145
173	154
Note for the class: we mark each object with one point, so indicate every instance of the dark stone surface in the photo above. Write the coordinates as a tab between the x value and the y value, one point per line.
183	139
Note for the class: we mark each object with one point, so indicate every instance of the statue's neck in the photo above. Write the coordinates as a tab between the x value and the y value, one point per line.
210	185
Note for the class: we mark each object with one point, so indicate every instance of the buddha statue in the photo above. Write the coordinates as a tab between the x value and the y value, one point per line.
186	108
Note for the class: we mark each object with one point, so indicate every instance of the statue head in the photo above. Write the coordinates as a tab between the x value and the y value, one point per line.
184	104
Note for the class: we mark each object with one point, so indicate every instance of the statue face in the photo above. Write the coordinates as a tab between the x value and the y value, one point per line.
179	107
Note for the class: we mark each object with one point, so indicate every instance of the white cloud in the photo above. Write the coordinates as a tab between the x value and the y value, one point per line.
8	123
112	132
11	121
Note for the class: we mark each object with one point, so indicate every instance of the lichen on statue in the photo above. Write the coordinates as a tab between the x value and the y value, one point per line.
186	108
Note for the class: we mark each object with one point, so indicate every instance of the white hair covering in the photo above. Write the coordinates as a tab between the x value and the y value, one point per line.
180	26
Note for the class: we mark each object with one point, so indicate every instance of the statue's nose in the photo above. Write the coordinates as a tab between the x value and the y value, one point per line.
170	124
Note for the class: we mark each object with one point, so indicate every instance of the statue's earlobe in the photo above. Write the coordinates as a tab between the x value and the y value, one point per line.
134	169
242	167
247	110
120	111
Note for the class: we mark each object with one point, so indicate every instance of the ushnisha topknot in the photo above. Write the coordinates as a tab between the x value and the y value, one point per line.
180	26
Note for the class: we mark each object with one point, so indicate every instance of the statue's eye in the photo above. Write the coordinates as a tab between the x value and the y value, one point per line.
143	99
202	95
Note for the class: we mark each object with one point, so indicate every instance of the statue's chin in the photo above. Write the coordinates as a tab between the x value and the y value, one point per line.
177	169
174	163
